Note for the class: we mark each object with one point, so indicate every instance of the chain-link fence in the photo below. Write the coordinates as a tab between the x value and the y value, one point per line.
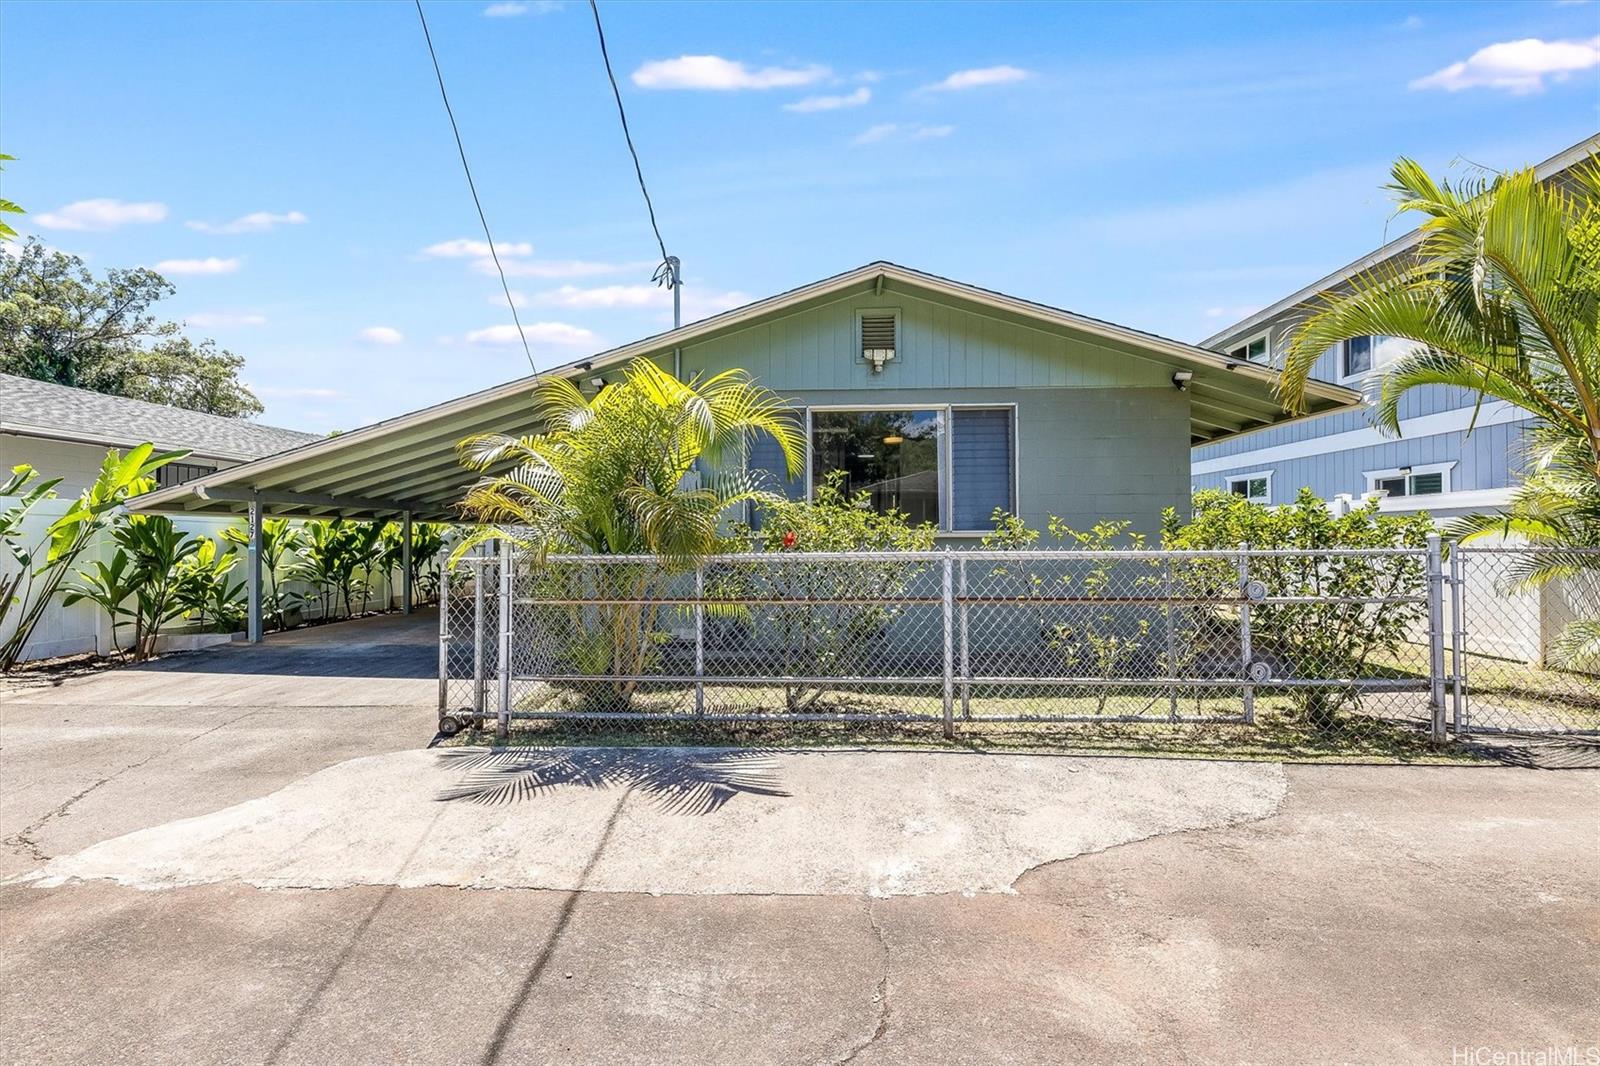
1310	651
1527	633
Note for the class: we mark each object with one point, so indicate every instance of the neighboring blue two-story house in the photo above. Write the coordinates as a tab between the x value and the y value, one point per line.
1450	458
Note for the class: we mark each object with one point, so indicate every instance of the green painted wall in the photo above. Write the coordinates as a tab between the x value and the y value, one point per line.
939	346
1100	434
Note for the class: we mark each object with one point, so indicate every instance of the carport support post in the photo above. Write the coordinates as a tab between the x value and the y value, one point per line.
1436	637
405	562
502	728
253	572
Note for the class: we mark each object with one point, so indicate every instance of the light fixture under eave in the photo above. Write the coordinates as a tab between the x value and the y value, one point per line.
894	438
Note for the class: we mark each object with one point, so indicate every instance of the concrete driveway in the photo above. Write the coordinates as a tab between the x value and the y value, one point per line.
1047	909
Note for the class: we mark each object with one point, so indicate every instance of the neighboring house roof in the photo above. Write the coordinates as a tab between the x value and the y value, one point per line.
409	462
1253	324
30	408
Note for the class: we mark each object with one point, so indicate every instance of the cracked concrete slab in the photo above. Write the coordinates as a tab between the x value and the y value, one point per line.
683	821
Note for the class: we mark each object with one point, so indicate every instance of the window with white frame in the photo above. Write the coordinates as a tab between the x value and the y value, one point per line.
1423	480
1257	488
1254	350
952	465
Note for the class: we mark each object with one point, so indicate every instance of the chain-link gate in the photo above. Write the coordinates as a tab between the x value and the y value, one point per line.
1327	644
1526	640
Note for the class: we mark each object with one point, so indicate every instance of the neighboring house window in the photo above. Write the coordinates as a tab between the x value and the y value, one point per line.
178	473
1357	356
1430	480
1253	350
1257	488
952	466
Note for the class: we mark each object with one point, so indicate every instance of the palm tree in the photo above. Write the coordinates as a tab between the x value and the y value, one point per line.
650	465
608	474
1502	298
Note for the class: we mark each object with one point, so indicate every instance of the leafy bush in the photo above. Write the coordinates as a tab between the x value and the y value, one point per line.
835	639
1099	639
1323	638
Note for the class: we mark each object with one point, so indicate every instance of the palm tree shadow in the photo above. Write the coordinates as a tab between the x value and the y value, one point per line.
677	780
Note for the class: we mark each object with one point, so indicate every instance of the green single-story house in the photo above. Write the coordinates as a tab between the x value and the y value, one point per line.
942	399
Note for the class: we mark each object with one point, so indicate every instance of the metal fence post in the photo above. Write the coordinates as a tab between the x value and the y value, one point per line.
966	649
700	639
1245	654
947	600
1436	637
503	726
1458	575
480	682
444	639
1172	642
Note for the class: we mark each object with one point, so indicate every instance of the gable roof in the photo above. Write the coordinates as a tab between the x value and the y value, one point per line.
30	408
409	463
1252	324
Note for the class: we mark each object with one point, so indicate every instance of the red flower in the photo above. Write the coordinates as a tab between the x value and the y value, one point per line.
788	538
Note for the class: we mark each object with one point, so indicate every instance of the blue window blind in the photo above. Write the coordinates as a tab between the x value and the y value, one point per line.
766	455
983	458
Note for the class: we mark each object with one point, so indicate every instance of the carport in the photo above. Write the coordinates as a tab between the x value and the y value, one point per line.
403	470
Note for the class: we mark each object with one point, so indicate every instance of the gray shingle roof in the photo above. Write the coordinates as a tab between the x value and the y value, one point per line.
42	408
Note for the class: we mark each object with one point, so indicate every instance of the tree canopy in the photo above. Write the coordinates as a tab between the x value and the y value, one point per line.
60	323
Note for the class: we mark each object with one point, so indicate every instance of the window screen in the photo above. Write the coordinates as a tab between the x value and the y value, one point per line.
982	466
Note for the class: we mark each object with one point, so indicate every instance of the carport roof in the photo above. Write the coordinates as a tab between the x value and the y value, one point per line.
409	463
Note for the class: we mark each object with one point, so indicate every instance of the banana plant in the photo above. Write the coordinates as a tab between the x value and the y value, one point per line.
110	586
204	586
120	477
20	483
158	551
280	539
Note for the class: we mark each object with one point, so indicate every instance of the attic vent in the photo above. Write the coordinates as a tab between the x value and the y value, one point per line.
878	337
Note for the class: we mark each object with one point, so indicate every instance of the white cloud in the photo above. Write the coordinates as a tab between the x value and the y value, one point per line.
224	319
467	248
1518	67
830	103
1412	22
208	265
537	333
554	268
1232	314
382	335
606	296
101	214
722	75
273	392
874	134
916	132
978	77
513	8
697	302
255	222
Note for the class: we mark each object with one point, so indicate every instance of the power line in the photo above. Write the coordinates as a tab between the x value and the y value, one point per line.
668	272
461	149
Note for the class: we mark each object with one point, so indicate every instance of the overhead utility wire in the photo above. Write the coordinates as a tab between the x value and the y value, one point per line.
668	272
461	149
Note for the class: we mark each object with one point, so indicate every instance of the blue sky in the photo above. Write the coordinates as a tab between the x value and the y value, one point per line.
1171	167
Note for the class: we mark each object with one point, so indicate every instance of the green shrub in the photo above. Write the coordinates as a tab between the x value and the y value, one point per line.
1322	638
